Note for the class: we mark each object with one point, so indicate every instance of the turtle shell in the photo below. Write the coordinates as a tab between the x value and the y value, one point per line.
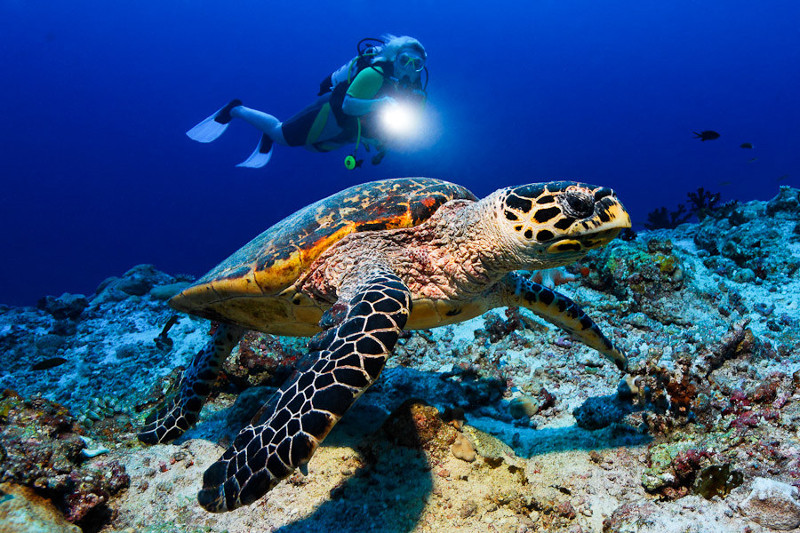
275	259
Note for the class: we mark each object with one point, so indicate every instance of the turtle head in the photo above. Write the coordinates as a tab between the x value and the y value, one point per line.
556	223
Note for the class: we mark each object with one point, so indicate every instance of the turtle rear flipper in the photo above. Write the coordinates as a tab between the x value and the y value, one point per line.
284	435
180	410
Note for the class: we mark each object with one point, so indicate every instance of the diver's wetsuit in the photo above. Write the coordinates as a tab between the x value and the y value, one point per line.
323	126
306	128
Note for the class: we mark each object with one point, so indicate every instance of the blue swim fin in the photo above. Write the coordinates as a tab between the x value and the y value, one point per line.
215	125
261	155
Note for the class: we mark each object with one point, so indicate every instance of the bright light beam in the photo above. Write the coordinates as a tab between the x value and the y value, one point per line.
401	120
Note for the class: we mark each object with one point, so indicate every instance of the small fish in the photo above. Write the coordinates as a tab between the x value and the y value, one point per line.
781	178
49	363
752	160
748	146
724	183
706	135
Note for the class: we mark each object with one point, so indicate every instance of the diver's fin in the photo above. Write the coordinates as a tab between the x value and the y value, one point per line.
261	155
215	125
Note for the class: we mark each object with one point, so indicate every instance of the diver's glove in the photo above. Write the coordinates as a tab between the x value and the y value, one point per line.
356	107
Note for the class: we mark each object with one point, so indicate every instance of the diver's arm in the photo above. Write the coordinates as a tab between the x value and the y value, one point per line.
363	95
357	107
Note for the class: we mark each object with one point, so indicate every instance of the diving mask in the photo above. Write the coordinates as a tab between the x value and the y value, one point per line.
412	61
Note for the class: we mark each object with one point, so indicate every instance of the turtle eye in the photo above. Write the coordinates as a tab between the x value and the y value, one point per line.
578	204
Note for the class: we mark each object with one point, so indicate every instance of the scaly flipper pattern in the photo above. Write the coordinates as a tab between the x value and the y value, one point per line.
343	362
560	311
179	411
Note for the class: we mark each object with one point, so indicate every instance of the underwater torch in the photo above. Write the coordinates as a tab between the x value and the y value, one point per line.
401	119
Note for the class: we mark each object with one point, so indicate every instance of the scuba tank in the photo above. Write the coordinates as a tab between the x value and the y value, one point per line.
367	48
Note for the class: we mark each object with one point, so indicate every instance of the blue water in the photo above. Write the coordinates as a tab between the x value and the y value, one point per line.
97	174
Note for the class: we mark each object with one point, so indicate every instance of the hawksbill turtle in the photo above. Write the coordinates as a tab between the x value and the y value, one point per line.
355	269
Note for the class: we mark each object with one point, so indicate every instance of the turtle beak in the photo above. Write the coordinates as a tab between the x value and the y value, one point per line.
597	230
608	231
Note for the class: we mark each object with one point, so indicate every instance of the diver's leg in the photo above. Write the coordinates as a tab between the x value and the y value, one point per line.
215	125
263	121
273	133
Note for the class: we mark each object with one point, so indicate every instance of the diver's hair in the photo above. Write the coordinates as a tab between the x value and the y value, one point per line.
393	45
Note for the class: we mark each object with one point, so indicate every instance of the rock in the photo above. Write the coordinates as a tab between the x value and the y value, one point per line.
716	480
743	275
661	472
463	449
64	328
138	281
772	504
134	286
787	200
488	446
65	306
629	517
48	344
109	293
417	425
165	292
468	509
149	273
24	511
566	510
105	284
523	406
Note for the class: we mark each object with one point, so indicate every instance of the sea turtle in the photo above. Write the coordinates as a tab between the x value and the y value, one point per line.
355	269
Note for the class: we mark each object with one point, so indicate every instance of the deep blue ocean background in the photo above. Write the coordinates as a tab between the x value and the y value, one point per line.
98	175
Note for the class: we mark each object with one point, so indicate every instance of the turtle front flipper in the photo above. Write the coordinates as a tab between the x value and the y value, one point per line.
518	290
180	410
344	361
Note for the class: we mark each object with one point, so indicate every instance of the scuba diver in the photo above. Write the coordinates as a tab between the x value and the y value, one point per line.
360	103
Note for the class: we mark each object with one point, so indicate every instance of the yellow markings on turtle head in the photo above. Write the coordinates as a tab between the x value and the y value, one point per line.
565	245
621	218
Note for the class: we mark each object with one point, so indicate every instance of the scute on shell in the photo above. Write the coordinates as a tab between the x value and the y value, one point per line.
277	257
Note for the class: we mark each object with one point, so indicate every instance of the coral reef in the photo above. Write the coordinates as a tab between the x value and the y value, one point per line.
41	448
501	423
701	204
262	359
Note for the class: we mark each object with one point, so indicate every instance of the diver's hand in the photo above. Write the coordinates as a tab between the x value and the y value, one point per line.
377	158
